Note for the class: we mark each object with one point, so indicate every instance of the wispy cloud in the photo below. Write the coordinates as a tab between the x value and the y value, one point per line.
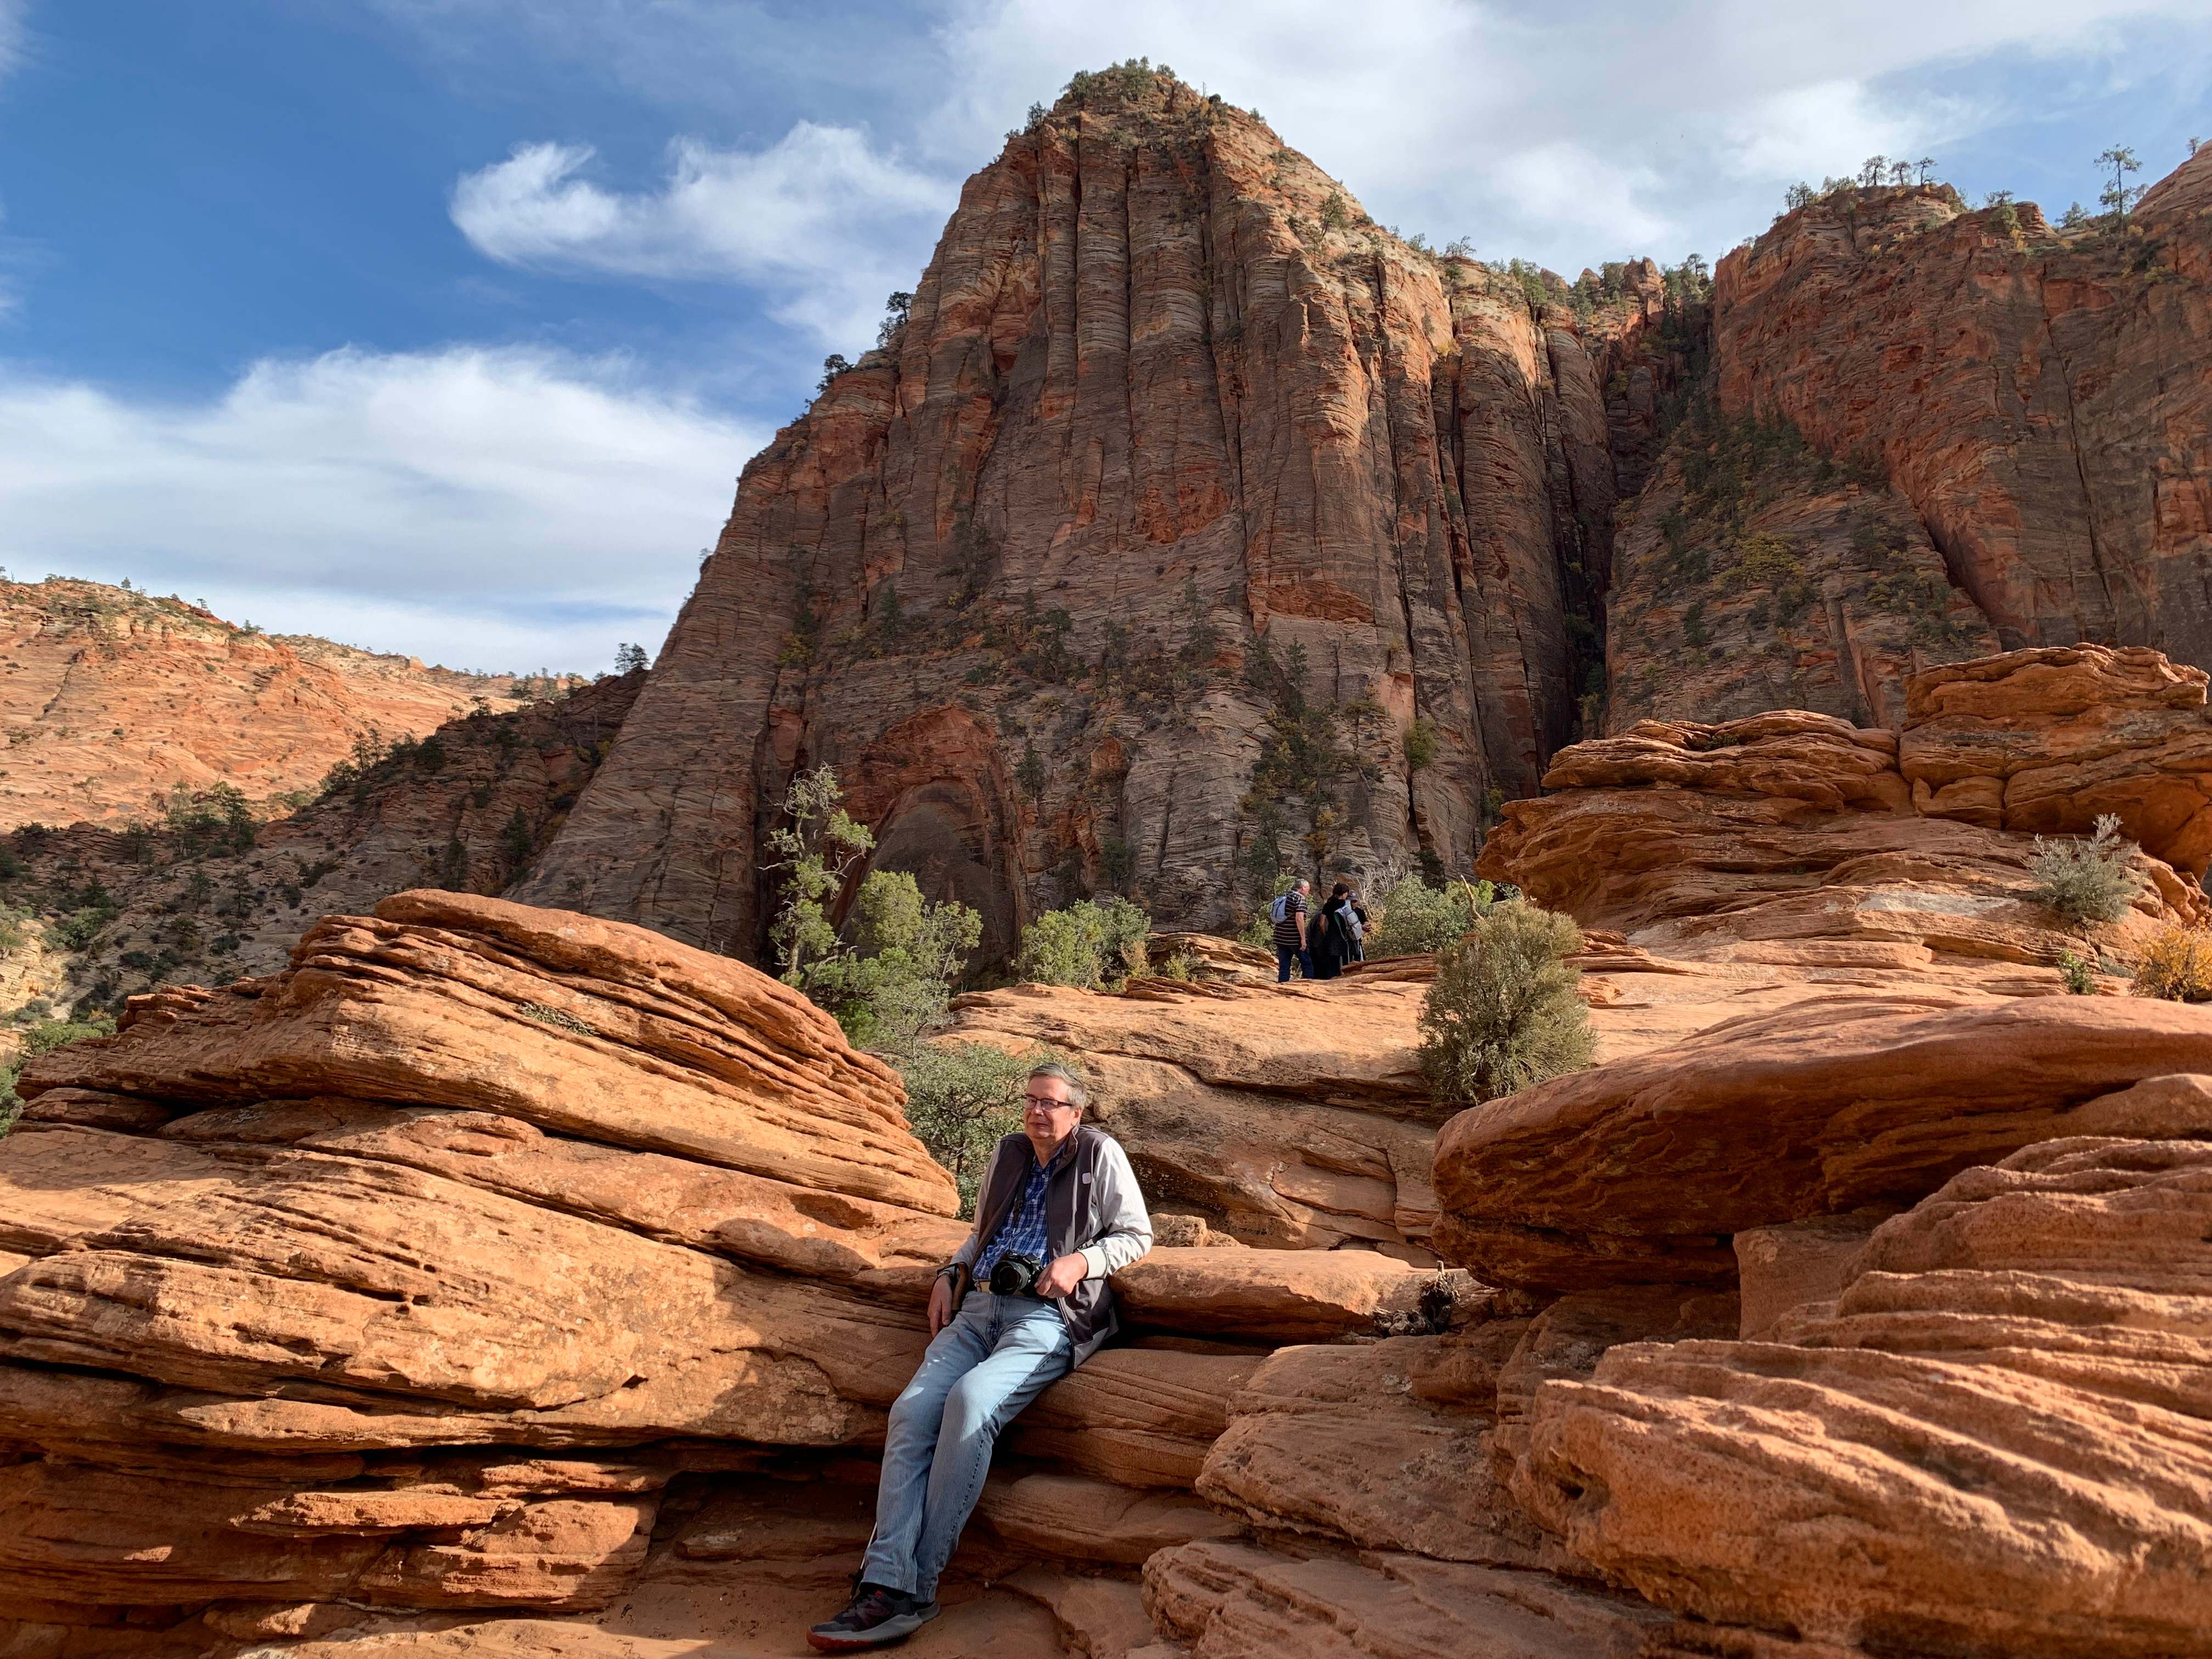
15	34
484	508
809	219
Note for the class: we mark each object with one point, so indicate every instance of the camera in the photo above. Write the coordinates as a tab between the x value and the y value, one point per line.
1015	1275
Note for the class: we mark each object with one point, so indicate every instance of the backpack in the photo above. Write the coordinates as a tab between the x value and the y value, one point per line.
1279	911
1352	923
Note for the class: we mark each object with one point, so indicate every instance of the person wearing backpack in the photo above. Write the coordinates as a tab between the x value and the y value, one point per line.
1288	914
1333	937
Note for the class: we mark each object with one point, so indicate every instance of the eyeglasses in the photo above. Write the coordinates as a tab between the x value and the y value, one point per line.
1047	1100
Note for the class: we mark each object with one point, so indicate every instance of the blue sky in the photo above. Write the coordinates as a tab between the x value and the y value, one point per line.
446	325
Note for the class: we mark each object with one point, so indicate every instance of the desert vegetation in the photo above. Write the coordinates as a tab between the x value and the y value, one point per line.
2086	878
1503	1012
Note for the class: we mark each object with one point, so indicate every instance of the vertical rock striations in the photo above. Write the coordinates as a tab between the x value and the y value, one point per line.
1182	492
2042	398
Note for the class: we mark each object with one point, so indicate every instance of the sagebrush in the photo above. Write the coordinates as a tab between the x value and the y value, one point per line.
1503	1012
42	1038
2176	965
2086	879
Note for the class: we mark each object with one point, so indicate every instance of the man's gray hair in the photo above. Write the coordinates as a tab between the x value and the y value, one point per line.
1078	1095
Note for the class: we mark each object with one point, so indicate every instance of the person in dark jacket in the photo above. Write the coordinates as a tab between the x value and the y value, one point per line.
1058	1200
1331	946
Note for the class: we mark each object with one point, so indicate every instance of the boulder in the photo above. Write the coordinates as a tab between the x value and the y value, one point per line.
583	1028
1641	1169
2047	740
1242	1601
1725	841
1287	1116
1996	1443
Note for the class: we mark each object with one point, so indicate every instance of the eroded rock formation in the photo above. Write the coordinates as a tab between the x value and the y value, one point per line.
1795	836
2043	398
437	1271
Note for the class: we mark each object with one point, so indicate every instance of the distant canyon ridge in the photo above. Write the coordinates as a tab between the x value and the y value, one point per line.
111	698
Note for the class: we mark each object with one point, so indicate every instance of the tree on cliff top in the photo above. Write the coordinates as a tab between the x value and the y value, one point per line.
2119	195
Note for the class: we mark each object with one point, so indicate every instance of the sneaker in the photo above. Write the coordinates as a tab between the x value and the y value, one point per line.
877	1618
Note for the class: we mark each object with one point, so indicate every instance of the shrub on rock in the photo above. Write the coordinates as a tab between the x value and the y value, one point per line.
2086	880
1418	917
1505	1013
1089	946
2176	966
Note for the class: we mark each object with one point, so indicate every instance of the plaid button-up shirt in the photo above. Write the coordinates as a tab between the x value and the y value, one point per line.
1024	1230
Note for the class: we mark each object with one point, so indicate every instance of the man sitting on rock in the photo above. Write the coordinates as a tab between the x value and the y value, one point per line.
1058	1211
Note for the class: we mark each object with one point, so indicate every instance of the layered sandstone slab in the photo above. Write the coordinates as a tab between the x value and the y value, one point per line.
583	1028
2047	741
1290	1117
1241	1602
1794	834
1996	1440
409	1277
1641	1170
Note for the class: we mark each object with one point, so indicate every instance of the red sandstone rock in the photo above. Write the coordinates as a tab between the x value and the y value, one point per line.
2047	741
1145	387
1995	1444
2042	398
1282	1116
1639	1170
1795	828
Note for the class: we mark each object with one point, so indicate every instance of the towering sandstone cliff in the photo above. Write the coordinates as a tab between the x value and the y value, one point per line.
1192	526
1170	422
1932	432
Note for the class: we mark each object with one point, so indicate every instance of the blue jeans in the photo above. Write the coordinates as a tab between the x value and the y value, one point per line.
998	1353
1287	954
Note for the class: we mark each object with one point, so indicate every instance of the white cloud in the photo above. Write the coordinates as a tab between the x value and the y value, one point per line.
484	509
1568	136
811	220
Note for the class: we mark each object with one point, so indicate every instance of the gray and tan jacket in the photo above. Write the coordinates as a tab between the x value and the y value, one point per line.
1092	1205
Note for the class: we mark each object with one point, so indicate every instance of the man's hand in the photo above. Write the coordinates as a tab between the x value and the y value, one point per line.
1063	1276
940	1304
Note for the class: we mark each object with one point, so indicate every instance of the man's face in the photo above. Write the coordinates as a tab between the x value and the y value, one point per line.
1046	1117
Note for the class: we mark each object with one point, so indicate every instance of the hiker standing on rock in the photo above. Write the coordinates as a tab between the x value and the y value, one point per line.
1334	930
1024	1301
1288	913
